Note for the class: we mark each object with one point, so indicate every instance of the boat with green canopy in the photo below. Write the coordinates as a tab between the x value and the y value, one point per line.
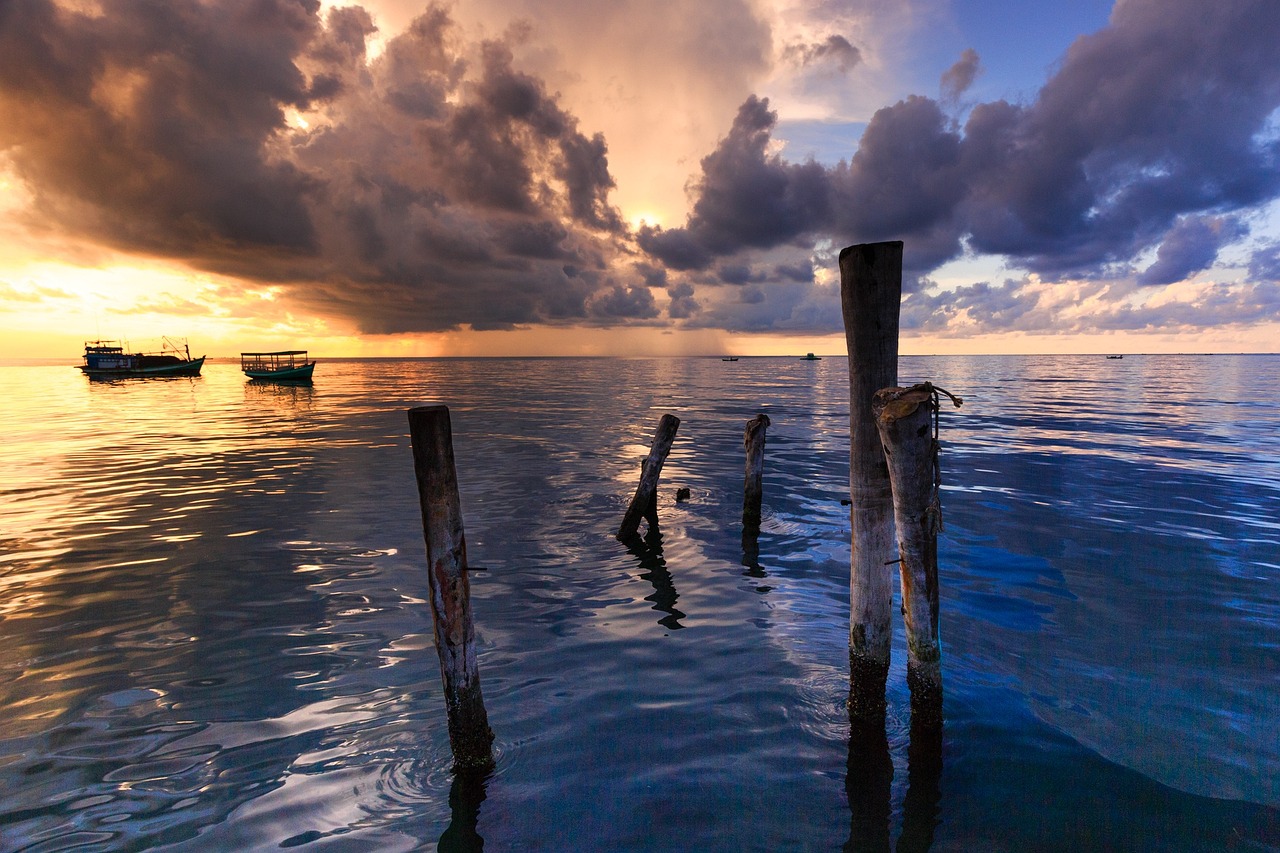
287	365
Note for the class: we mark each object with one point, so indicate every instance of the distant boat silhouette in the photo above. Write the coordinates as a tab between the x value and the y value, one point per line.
730	358
811	357
1115	356
108	360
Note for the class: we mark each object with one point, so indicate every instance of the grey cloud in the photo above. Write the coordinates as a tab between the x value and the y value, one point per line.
1264	264
674	247
1190	246
683	305
441	186
746	197
835	50
802	273
179	100
1002	307
957	79
1148	126
621	302
738	274
1021	305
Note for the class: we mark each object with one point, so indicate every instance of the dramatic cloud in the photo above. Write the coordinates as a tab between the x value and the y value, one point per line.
432	187
1149	135
746	198
426	179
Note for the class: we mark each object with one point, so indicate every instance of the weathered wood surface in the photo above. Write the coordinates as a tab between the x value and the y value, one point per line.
870	298
469	732
904	418
645	503
753	478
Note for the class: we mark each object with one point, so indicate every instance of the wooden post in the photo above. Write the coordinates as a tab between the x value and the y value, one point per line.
469	732
870	297
645	503
752	484
904	417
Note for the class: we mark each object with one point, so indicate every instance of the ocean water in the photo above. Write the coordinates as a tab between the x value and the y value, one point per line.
214	631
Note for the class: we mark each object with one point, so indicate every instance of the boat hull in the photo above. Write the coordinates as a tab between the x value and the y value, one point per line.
288	374
186	368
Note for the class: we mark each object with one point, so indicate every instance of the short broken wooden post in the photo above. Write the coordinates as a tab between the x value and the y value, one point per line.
870	297
905	418
469	732
753	478
645	503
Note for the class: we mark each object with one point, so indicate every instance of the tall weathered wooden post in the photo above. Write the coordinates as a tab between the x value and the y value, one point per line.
644	505
870	297
469	732
753	475
905	418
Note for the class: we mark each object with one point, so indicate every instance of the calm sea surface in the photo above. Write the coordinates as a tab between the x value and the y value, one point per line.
214	632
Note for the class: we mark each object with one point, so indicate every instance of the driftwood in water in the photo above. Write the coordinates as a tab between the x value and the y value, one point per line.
870	297
753	478
645	503
469	732
905	418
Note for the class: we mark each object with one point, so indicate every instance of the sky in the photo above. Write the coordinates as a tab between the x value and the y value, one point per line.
576	177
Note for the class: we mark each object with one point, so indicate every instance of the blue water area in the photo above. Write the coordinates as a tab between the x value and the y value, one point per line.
215	630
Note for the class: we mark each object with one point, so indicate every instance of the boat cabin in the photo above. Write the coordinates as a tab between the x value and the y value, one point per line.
273	362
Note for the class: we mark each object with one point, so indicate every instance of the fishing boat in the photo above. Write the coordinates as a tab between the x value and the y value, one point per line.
811	357
108	360
730	358
287	365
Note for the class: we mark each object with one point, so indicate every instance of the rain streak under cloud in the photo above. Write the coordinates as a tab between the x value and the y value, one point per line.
441	182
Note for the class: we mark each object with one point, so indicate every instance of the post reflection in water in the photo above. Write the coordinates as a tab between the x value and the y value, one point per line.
465	796
751	559
869	786
921	807
648	551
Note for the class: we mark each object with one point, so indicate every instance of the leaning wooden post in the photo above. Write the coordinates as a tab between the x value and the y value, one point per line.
753	478
469	732
870	296
904	418
645	503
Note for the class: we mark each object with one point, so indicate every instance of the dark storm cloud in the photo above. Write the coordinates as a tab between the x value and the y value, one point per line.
440	186
802	273
621	302
683	305
146	124
1189	247
1149	135
746	198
